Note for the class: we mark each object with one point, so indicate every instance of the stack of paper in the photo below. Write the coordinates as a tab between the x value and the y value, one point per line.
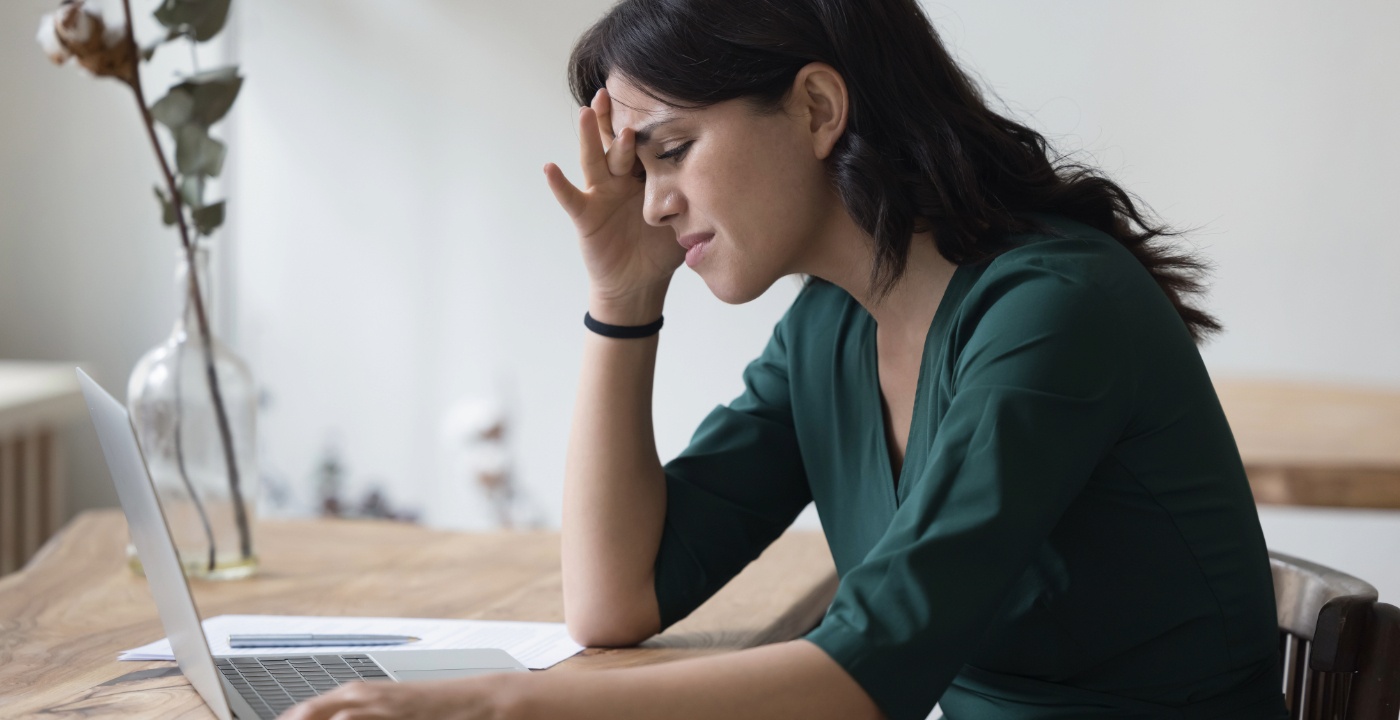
536	645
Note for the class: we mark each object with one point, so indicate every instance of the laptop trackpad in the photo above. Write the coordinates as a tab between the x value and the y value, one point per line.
410	665
412	675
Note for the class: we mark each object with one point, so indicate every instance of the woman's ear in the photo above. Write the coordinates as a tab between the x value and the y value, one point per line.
819	96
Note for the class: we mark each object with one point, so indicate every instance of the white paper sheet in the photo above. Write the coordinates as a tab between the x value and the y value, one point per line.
536	645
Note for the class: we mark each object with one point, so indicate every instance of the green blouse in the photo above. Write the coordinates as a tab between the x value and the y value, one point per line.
1071	534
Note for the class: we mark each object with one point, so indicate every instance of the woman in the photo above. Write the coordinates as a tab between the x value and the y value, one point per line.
989	386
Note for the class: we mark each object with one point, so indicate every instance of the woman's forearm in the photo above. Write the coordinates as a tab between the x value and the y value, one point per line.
614	487
786	680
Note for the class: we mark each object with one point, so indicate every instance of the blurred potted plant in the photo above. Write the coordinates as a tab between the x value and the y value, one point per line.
192	401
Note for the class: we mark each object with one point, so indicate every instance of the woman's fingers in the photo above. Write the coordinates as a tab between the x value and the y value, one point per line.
321	706
601	156
602	105
622	154
570	198
591	153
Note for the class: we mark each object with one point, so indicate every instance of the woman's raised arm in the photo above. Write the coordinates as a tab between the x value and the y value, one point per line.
614	496
614	489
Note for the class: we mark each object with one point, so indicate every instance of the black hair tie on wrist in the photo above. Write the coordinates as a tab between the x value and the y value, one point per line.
625	332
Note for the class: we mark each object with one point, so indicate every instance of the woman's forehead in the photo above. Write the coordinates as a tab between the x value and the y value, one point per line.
633	100
631	107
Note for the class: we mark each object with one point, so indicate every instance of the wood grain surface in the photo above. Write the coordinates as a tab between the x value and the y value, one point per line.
67	614
1316	444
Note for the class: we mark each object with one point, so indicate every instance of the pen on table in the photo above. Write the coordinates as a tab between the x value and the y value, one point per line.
301	640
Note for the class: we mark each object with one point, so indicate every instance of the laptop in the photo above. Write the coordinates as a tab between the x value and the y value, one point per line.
244	687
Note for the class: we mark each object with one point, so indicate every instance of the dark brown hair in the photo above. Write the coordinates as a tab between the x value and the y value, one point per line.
921	150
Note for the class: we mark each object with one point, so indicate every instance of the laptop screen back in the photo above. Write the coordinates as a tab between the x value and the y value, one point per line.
153	544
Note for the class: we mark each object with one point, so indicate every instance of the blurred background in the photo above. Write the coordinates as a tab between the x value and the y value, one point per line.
409	296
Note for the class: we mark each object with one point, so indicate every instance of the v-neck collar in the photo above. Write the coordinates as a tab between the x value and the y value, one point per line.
952	297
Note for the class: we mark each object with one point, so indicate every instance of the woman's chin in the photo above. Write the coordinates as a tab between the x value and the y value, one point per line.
732	290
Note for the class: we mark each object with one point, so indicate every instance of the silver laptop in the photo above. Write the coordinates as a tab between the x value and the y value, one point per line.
244	687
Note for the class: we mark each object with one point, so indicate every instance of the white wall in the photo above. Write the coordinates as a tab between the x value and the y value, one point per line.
395	246
86	269
400	249
1269	125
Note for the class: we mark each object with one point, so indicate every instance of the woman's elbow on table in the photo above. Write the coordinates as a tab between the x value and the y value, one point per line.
612	623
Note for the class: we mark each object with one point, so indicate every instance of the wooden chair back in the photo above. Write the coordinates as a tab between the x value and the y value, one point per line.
1340	647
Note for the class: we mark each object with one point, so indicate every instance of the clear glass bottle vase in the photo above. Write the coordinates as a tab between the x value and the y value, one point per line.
196	425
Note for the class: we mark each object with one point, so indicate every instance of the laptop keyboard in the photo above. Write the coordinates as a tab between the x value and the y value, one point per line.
273	684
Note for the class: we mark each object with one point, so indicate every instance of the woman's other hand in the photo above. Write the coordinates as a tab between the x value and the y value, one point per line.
487	697
628	260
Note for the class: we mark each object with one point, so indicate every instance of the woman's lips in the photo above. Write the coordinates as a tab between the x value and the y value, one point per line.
694	245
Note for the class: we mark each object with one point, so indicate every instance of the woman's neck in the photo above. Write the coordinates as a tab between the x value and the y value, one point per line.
905	313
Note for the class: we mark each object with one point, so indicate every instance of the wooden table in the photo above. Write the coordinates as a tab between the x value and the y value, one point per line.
67	614
1316	445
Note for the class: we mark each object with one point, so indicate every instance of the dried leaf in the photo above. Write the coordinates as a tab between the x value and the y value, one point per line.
205	18
175	109
203	98
208	219
198	154
218	74
166	206
192	191
214	92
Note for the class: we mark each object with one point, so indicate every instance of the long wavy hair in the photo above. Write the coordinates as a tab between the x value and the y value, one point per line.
921	151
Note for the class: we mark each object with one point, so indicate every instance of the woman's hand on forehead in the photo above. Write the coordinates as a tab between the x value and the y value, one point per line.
602	105
624	254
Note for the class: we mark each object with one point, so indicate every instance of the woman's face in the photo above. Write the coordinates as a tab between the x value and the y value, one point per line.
756	182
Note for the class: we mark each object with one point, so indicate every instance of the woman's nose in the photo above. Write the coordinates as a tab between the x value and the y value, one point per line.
661	204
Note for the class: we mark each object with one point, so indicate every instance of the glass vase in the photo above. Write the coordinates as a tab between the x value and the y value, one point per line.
194	412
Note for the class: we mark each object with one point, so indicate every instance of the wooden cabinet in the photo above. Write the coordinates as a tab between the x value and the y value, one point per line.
36	399
1315	444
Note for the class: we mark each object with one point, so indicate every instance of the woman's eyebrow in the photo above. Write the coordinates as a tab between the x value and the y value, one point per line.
643	136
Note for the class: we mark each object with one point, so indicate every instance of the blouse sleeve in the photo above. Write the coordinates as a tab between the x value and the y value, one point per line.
734	489
1041	391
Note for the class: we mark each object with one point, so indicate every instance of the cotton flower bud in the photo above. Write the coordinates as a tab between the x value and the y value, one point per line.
77	30
48	40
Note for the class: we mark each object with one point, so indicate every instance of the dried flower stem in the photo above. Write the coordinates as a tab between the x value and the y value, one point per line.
180	453
240	512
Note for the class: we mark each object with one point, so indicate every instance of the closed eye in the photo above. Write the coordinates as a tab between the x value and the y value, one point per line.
675	152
